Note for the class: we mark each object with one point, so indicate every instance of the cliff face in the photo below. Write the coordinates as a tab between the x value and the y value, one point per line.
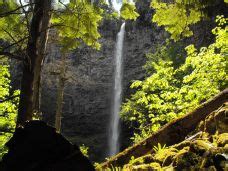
88	96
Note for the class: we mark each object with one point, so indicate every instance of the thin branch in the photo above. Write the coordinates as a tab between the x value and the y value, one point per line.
63	4
15	43
10	55
26	16
4	14
8	33
9	98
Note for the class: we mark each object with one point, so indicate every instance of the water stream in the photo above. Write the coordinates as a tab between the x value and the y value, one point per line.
117	95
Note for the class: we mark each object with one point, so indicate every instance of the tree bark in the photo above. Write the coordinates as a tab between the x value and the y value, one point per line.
60	94
36	46
170	134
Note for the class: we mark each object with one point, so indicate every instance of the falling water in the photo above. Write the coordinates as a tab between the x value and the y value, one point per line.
114	125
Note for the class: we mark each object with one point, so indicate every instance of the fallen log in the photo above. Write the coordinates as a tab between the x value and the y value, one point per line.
172	133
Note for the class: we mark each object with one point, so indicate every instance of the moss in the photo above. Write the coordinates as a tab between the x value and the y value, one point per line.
185	159
148	159
195	153
181	145
201	146
221	120
222	139
225	148
162	154
211	168
142	160
210	124
155	166
141	167
216	121
168	168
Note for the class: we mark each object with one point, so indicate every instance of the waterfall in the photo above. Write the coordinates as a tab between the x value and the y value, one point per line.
117	98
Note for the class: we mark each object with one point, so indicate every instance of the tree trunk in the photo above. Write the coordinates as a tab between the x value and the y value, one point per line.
60	94
30	83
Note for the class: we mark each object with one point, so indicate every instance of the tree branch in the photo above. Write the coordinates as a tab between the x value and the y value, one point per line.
10	55
9	98
4	14
15	43
26	16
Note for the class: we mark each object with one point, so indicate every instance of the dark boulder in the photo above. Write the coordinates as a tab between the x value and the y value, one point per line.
37	147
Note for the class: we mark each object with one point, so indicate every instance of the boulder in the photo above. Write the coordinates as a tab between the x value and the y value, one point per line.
37	147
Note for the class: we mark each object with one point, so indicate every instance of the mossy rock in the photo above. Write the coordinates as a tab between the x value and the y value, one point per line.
222	120
142	160
142	167
168	168
222	139
201	146
155	166
225	148
211	168
186	159
216	121
182	144
166	153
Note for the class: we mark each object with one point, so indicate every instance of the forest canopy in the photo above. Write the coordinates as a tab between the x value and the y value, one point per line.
8	105
178	16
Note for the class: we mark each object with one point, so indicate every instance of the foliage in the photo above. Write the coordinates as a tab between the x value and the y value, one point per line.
77	23
177	16
169	52
112	168
8	108
170	92
84	150
128	11
159	148
13	28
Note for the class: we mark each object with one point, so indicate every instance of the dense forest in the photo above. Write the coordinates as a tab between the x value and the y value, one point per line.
110	77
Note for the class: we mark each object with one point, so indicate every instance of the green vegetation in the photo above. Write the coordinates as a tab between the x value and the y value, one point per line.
13	27
198	153
8	106
177	16
204	149
171	92
84	150
78	23
128	11
177	81
159	148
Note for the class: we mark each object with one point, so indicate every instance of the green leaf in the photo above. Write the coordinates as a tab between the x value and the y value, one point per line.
128	11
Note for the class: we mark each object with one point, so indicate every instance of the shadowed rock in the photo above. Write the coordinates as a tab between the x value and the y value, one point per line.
37	147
